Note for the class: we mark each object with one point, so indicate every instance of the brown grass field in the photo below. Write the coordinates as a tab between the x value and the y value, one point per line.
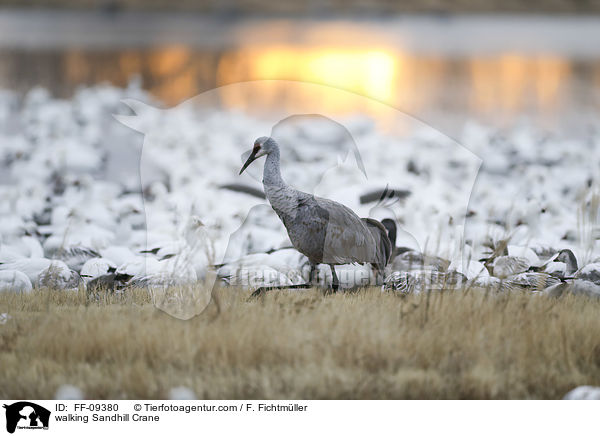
303	345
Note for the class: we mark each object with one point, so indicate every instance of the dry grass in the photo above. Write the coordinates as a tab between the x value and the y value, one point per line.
302	345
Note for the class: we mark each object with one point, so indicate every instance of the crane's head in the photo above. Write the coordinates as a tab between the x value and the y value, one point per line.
262	146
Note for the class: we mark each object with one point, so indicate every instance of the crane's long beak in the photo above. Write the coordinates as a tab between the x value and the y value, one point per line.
251	159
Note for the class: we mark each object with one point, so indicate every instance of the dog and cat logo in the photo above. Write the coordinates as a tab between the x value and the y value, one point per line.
26	415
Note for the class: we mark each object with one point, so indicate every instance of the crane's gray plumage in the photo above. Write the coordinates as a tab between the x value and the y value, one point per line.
323	230
383	242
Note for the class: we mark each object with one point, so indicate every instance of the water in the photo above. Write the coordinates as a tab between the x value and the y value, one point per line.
441	69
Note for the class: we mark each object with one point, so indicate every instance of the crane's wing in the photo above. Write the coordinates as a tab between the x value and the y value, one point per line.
346	238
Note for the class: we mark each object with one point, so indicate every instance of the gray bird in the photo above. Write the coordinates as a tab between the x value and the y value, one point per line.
324	231
417	281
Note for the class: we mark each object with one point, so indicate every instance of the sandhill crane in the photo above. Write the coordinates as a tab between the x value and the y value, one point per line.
325	231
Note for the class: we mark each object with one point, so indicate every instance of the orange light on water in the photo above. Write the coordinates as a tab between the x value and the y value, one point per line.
503	85
512	83
174	73
371	73
552	75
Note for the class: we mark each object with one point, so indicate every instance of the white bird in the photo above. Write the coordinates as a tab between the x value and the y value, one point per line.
119	254
279	268
590	273
583	393
42	271
59	276
584	281
506	266
147	271
491	283
69	392
414	260
525	253
469	268
562	264
97	267
534	281
181	393
25	246
575	287
75	256
191	249
14	281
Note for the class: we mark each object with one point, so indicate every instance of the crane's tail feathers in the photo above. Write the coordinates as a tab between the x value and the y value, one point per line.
380	233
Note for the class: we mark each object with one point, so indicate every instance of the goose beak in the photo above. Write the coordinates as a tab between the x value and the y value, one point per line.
251	159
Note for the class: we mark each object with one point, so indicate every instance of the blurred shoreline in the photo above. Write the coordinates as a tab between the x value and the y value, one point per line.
494	67
327	8
456	35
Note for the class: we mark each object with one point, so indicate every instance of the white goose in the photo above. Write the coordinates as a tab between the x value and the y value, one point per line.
14	281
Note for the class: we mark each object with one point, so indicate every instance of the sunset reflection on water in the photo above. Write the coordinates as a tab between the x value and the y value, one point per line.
502	85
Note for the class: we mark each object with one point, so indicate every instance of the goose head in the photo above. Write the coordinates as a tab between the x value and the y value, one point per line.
568	257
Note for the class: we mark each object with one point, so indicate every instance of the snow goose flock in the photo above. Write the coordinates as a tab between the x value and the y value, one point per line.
73	211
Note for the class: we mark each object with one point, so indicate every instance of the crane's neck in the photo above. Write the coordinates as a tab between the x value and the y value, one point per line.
272	172
283	198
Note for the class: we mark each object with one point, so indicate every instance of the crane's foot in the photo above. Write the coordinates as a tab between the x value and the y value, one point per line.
334	289
259	292
264	289
335	283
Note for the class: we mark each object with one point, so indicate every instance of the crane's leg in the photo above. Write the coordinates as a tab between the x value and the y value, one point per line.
312	281
335	283
312	275
262	291
379	273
